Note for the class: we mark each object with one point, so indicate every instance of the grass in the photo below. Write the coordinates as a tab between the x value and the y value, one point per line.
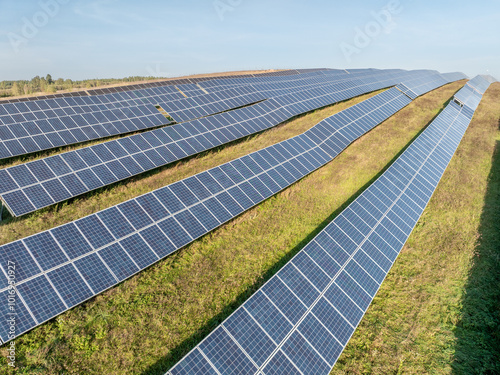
147	323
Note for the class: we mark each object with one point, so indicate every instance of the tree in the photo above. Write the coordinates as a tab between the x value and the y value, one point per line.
49	79
35	83
16	90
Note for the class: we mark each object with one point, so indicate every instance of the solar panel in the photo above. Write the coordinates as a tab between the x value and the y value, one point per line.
44	124
174	81
90	168
237	96
190	89
300	321
207	104
100	250
473	91
66	119
35	132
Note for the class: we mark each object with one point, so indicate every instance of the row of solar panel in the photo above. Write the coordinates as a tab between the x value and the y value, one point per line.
33	136
27	188
471	94
53	108
29	143
154	95
469	97
44	133
420	86
142	86
61	108
197	107
212	85
69	264
481	83
192	108
166	93
188	109
243	94
300	321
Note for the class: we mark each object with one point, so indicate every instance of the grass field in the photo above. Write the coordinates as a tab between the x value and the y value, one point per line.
424	319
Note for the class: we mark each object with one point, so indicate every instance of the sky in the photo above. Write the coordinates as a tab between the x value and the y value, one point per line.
87	39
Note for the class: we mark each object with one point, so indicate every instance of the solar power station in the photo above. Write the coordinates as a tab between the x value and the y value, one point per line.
29	187
121	245
300	321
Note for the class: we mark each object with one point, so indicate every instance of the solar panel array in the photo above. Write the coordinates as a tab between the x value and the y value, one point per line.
300	321
44	124
149	85
27	127
473	91
205	105
69	264
183	81
29	187
31	126
236	93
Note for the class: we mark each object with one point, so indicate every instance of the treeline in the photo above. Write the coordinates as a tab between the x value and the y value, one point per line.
47	85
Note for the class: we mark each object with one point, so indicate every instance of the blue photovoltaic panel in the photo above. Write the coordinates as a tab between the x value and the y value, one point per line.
39	129
245	92
173	216
473	91
207	104
322	294
77	172
43	124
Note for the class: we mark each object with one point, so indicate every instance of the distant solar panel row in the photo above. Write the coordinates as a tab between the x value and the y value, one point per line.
140	86
205	105
184	81
27	127
42	134
40	125
191	89
455	76
420	86
67	265
340	74
186	109
481	83
215	85
300	321
473	91
16	113
181	81
29	187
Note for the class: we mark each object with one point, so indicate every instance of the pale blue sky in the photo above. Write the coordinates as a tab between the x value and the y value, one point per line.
81	39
